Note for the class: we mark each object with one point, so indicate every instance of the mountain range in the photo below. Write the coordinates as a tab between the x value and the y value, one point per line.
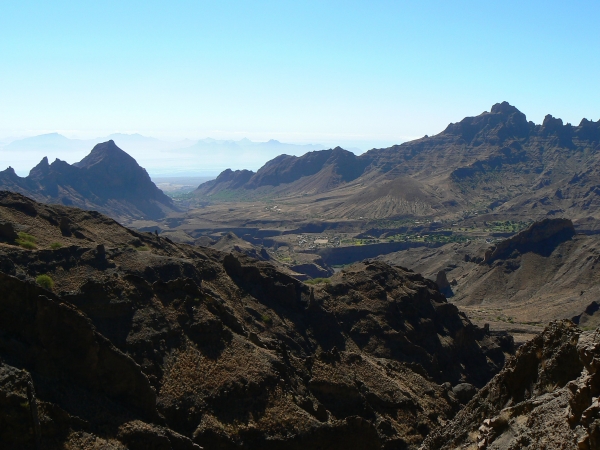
108	180
118	339
496	162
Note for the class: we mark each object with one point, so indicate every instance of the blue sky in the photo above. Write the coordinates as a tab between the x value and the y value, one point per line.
355	73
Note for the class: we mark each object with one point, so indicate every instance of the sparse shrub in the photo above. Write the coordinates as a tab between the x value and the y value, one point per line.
26	237
26	240
55	245
267	319
143	248
45	281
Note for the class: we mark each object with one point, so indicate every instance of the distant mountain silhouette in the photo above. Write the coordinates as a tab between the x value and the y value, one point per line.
494	162
324	169
160	157
108	180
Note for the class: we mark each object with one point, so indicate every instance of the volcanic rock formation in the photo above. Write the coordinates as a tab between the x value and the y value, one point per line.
543	273
140	342
229	242
546	397
541	237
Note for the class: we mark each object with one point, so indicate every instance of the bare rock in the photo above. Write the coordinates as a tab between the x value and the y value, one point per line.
464	392
166	345
443	284
541	237
8	232
545	397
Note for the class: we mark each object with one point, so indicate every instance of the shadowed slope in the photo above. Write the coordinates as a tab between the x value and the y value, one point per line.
108	179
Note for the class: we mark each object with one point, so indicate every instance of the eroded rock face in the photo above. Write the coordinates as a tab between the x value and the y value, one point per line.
59	377
145	343
7	232
443	284
541	237
545	397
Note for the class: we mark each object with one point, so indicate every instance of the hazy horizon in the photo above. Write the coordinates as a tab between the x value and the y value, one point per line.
359	75
161	158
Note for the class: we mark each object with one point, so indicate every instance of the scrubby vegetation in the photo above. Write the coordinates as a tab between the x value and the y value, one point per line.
45	281
26	241
56	245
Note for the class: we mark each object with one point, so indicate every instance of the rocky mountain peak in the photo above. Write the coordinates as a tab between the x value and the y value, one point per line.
41	169
551	122
503	122
108	179
9	170
108	152
504	108
589	123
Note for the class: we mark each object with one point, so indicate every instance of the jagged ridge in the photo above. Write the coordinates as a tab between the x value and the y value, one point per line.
108	179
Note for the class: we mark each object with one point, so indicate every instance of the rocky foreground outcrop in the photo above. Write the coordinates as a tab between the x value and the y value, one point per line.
144	343
546	397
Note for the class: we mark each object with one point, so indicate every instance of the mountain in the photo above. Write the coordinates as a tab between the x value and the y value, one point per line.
317	171
149	151
45	142
493	163
545	397
108	180
57	143
112	338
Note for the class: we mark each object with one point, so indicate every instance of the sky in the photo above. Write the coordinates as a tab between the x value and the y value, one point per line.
352	73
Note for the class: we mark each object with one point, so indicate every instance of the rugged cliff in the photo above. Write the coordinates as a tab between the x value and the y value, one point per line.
546	397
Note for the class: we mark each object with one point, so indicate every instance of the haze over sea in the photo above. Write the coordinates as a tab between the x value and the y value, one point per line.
359	75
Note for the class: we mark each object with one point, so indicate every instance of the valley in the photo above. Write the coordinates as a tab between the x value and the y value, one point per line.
299	225
326	301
